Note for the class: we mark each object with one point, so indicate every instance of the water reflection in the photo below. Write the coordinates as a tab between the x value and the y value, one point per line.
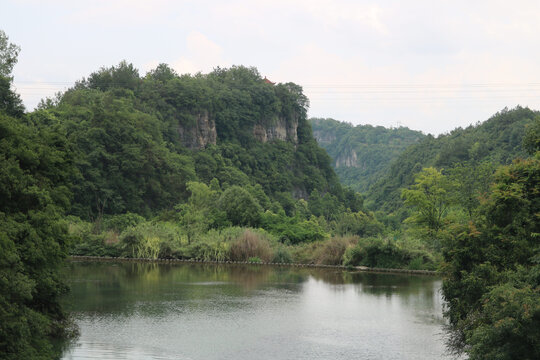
202	311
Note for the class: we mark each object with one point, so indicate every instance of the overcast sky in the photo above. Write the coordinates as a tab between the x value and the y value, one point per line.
428	65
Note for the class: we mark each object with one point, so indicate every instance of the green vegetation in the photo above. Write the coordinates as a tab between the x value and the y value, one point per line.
494	142
224	167
363	153
138	141
458	204
35	169
492	268
488	239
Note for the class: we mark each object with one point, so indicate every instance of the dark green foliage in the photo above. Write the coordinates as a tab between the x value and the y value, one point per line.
34	168
531	141
327	206
123	161
471	182
509	328
358	223
491	270
282	256
138	141
385	253
240	207
362	153
121	222
497	141
10	102
123	76
293	230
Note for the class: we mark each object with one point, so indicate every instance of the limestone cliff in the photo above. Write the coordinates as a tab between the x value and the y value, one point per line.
347	159
324	137
279	129
201	134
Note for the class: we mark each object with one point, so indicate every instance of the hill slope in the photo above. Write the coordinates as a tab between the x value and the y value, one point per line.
139	140
498	141
361	154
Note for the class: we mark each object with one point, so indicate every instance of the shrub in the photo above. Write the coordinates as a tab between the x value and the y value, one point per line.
119	223
331	252
293	230
282	255
251	244
386	253
240	206
86	242
358	223
208	250
150	240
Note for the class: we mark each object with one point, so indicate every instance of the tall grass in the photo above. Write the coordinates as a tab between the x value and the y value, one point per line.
251	245
331	252
151	240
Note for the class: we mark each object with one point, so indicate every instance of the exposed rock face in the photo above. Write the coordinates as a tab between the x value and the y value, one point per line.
200	135
203	132
324	137
347	159
281	129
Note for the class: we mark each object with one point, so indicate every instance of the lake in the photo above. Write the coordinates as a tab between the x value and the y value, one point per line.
207	311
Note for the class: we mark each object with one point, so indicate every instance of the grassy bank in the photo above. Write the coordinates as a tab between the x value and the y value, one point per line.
131	236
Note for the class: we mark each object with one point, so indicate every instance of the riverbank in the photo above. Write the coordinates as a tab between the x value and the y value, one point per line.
158	260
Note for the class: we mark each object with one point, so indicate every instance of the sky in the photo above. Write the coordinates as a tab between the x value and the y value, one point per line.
427	65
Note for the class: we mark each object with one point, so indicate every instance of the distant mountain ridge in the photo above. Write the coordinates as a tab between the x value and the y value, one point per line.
498	140
361	154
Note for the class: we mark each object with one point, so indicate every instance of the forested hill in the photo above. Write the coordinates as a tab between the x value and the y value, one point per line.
138	140
475	149
361	154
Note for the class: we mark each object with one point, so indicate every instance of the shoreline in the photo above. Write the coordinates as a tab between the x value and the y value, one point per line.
169	261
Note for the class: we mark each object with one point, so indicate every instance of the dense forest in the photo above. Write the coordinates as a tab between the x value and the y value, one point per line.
494	142
362	154
225	166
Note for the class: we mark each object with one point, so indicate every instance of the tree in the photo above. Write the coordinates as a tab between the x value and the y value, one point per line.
358	223
430	197
199	214
240	206
35	168
10	102
471	183
492	270
531	141
8	55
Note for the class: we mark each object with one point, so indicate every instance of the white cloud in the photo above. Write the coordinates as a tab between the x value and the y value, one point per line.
344	52
334	14
202	55
435	99
120	12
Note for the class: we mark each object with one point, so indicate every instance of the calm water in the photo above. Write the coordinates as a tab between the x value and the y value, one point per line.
197	311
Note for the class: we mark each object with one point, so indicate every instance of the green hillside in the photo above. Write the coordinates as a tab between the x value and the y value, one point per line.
496	141
139	140
361	154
